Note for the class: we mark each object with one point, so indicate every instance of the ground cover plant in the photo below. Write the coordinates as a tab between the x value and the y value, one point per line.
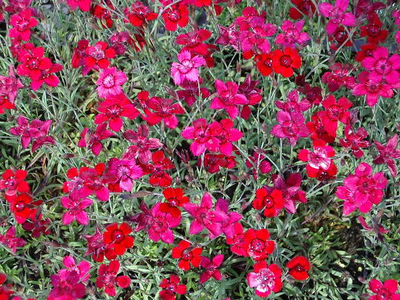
199	149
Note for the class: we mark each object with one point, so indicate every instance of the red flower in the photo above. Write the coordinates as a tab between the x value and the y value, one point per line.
335	111
108	277
113	108
14	181
171	287
22	207
373	30
98	56
284	62
139	14
117	236
163	110
270	200
238	245
176	15
257	244
193	41
188	255
22	23
96	246
303	7
103	14
175	199
32	61
158	175
318	130
299	267
354	140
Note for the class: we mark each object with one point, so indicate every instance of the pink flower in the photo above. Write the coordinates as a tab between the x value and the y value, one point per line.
110	82
233	218
388	153
228	98
93	139
211	268
371	88
354	140
385	291
291	126
108	277
75	205
10	240
361	190
204	136
265	279
292	34
83	5
383	66
335	111
291	191
160	225
124	172
337	15
227	135
9	86
142	144
293	103
113	108
82	269
186	69
205	217
67	283
13	182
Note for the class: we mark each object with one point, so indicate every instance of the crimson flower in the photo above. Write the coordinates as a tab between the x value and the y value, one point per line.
302	8
210	267
214	162
10	240
227	135
228	98
335	111
113	108
291	190
22	206
373	30
388	153
96	246
104	14
157	169
98	56
362	189
258	164
385	291
249	89
22	23
9	87
162	109
257	244
205	217
318	129
283	62
188	255
171	287
264	63
193	41
270	200
117	237
175	15
93	139
339	76
299	267
354	140
293	103
265	279
139	14
142	144
107	278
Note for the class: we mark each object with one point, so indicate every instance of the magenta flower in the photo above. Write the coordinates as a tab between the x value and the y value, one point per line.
355	140
337	15
361	190
210	267
82	269
162	110
124	172
291	126
22	23
108	278
293	103
9	86
37	131
227	136
385	291
388	153
265	279
254	39
10	240
291	191
160	225
142	144
205	217
382	66
228	36
204	136
67	283
95	245
291	34
227	226
371	88
186	69
75	205
93	139
110	82
228	98
113	108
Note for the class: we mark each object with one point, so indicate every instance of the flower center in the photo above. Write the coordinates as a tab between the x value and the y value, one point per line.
109	81
286	61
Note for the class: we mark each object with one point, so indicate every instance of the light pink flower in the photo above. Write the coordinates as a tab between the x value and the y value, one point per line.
186	69
110	82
